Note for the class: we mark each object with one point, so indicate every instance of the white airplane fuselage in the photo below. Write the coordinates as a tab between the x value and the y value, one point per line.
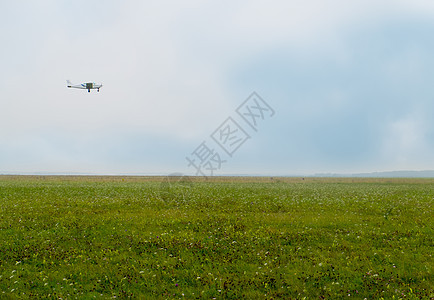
85	86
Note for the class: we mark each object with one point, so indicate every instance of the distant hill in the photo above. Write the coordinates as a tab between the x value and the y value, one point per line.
390	174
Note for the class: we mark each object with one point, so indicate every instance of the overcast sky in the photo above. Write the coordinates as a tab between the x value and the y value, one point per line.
347	86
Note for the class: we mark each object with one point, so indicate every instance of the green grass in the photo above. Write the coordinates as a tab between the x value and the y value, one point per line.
232	238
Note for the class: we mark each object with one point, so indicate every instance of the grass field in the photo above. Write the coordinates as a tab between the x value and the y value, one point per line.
224	238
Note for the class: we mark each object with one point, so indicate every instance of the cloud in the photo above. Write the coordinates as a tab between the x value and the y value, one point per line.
345	79
407	144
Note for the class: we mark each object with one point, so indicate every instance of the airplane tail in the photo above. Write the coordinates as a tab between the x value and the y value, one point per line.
68	83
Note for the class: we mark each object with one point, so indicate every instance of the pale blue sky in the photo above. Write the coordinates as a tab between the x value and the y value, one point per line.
350	83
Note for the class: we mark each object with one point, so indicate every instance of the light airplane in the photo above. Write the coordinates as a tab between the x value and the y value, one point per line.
85	86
